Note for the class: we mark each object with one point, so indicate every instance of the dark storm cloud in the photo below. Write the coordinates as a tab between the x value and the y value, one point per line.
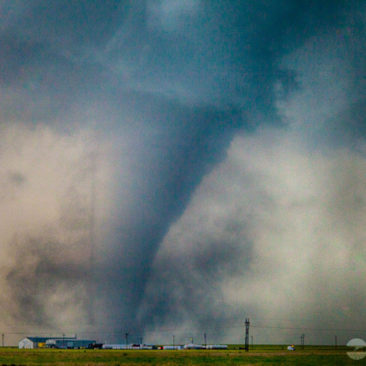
52	75
164	86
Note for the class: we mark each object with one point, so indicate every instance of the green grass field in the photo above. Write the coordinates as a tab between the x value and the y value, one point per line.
260	355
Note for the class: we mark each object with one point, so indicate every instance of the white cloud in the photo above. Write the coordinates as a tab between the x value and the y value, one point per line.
45	208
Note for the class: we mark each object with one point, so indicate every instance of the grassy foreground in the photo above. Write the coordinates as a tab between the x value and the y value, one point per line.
258	356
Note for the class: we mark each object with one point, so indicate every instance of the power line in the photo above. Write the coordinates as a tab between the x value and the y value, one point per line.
187	331
190	331
311	329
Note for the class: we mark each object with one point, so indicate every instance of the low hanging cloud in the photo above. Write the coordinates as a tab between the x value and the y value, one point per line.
46	208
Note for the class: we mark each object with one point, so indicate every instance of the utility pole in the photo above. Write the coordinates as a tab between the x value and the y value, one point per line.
173	340
92	233
3	340
205	338
126	337
251	337
302	340
247	324
335	341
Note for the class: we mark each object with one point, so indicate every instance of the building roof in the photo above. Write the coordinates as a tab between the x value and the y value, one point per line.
71	339
44	339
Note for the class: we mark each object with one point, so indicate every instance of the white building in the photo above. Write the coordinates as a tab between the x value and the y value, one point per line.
33	342
193	346
127	346
172	348
216	346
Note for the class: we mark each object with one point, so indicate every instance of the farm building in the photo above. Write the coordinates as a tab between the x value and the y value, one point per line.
216	346
127	346
193	346
33	342
69	343
55	342
172	348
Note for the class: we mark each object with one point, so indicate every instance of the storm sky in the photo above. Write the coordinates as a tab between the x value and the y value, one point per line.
173	167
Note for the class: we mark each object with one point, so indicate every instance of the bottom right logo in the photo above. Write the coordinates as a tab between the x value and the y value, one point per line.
358	344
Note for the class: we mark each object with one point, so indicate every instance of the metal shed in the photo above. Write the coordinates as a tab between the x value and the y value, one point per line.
69	343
